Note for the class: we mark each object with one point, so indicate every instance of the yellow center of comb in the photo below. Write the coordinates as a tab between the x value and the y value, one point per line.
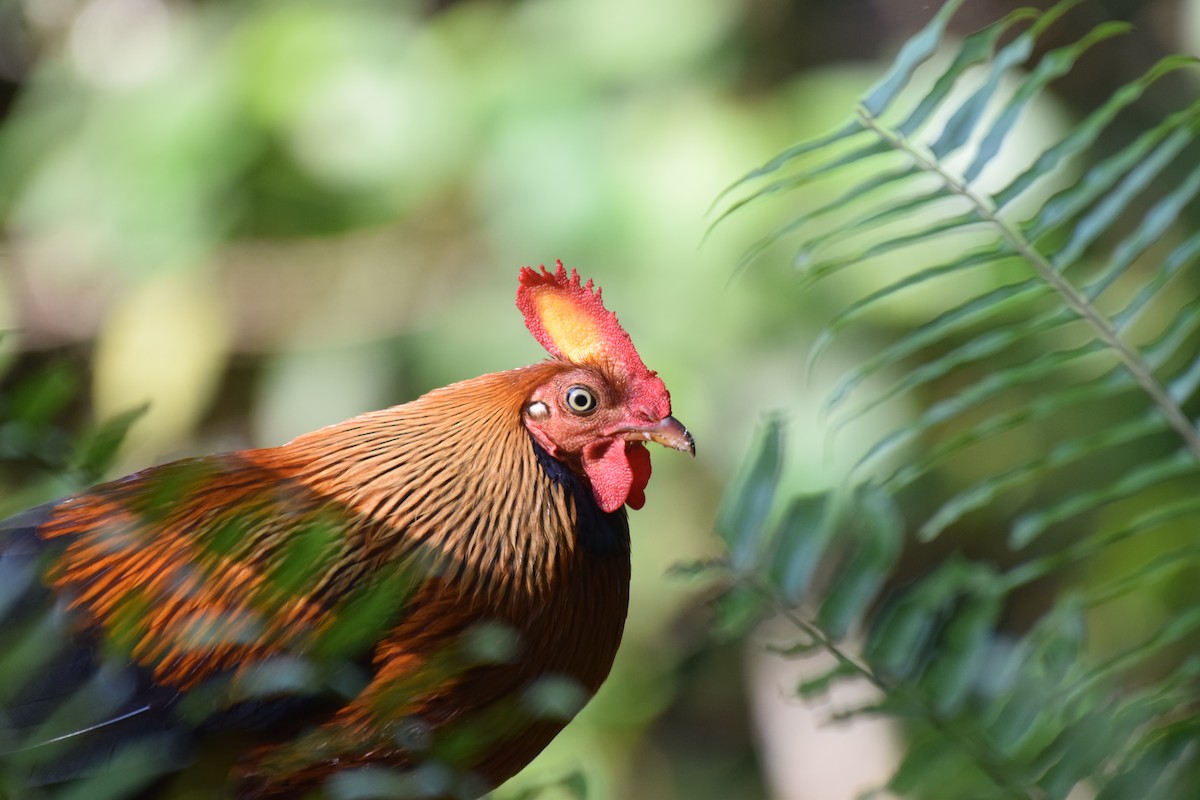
576	335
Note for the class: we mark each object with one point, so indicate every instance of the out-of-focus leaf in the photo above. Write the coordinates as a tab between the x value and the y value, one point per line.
967	116
575	785
1086	132
1029	526
39	398
1155	224
917	50
960	660
860	307
738	610
1087	228
96	451
931	761
1099	179
877	533
820	685
742	518
942	626
1054	65
977	48
968	313
1180	257
1062	454
807	176
805	530
905	632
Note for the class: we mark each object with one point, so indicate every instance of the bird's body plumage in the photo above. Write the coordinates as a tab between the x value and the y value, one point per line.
429	583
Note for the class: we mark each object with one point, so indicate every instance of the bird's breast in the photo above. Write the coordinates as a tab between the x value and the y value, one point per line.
525	664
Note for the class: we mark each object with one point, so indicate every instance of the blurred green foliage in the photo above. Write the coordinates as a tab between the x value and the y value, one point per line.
1051	404
255	219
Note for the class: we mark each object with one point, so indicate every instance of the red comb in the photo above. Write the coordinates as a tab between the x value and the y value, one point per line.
571	322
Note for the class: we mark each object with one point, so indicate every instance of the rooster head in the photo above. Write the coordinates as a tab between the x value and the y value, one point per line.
597	412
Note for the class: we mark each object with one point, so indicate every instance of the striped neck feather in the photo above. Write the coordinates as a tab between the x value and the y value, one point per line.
454	479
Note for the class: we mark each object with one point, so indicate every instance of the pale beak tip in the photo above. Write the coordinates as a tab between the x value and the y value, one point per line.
670	432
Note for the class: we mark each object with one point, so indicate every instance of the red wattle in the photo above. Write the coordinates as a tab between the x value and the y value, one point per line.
639	462
619	472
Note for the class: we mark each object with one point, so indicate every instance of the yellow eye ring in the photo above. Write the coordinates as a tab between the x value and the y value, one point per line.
580	400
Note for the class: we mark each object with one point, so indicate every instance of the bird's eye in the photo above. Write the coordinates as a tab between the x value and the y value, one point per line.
581	400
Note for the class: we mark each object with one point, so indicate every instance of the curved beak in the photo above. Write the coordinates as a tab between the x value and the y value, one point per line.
668	431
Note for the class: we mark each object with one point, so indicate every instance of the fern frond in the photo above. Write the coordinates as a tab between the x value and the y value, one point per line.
1053	405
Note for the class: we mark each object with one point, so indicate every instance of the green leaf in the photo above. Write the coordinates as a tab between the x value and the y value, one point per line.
1053	65
862	189
796	151
1064	207
738	611
743	515
1031	525
916	51
816	270
976	48
1086	229
806	176
1157	222
820	685
877	531
979	393
989	343
1179	258
1081	750
967	644
965	118
860	307
39	398
889	211
805	530
904	632
1026	529
1098	542
95	452
1085	133
576	783
969	313
1156	571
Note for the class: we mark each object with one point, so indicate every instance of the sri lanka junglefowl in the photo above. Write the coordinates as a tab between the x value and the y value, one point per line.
434	589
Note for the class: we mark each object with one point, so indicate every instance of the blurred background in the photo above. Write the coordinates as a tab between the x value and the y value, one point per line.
257	218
